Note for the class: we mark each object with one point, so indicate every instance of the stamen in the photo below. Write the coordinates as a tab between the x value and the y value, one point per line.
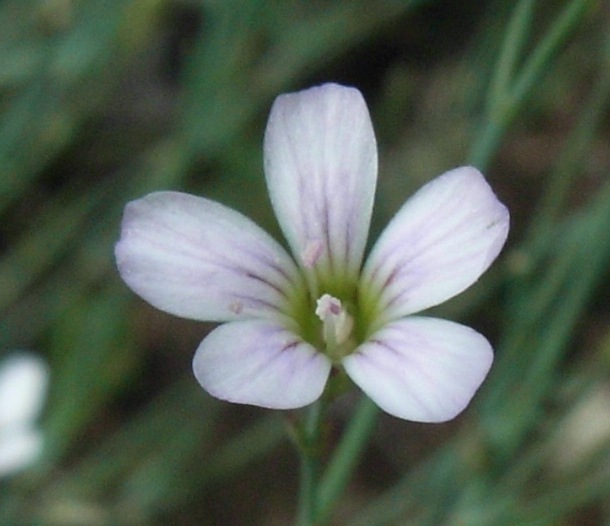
311	252
236	306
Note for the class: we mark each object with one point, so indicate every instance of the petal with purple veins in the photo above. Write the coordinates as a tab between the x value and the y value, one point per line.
421	369
438	244
321	170
198	259
260	363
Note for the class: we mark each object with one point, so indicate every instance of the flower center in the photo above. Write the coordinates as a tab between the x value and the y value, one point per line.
337	327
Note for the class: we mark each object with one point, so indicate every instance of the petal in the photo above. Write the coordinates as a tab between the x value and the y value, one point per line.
23	388
437	245
198	259
19	447
421	369
259	363
321	170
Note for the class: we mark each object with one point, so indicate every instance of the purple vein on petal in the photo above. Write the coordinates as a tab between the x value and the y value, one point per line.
262	363
437	245
231	265
198	259
320	163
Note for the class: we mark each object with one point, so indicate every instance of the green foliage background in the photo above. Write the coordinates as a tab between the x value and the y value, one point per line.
104	101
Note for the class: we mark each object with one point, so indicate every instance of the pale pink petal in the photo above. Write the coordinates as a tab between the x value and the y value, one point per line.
198	259
321	170
421	369
259	363
438	244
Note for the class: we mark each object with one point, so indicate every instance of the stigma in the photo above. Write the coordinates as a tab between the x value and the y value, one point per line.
337	326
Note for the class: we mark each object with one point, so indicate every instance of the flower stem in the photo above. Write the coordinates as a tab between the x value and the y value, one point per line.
345	457
307	440
317	496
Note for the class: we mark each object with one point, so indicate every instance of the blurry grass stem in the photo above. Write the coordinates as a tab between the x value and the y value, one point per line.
572	157
572	272
510	85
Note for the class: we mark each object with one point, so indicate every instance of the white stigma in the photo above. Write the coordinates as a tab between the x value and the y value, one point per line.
337	324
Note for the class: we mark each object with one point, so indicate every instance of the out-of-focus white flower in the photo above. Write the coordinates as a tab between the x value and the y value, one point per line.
291	318
23	387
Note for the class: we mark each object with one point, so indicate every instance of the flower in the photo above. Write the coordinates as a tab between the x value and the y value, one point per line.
23	386
291	318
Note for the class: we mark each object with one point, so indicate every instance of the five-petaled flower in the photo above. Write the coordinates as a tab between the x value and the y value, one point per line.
291	319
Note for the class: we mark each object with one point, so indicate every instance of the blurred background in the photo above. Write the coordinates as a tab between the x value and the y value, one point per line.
104	101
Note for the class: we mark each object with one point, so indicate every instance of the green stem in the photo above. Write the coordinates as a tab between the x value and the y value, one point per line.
345	457
318	496
307	441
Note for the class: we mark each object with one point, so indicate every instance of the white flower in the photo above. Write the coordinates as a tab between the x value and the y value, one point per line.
290	319
23	387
